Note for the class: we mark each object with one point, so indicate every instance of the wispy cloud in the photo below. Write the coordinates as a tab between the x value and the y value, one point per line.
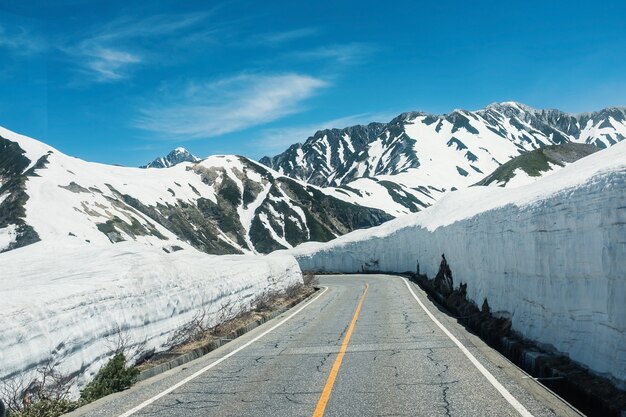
108	64
20	40
203	110
276	140
279	38
342	54
106	54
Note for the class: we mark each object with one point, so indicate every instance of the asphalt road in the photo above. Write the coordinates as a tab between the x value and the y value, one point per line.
396	361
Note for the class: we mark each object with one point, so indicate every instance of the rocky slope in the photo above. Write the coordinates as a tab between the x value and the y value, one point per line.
177	156
529	166
420	156
223	204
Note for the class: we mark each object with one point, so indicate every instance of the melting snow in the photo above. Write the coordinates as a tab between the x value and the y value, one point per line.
70	298
550	253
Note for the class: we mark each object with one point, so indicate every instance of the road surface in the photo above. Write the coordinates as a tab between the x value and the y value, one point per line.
363	346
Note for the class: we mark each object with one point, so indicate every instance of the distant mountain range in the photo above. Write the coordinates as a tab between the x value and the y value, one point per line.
406	164
337	181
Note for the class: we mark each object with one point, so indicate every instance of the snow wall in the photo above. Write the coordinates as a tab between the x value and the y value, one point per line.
551	255
71	302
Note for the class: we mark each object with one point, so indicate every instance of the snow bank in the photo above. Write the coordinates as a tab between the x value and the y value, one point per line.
68	299
551	255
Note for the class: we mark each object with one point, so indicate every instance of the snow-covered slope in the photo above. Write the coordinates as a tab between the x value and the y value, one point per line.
317	160
528	167
175	157
550	255
89	249
425	155
223	204
71	301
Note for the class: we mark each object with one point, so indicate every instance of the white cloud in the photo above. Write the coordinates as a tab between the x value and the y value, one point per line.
108	63
279	38
340	54
228	105
20	40
105	53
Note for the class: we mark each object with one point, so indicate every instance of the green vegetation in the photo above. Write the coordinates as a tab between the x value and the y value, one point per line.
47	407
193	224
112	228
48	396
194	189
115	376
536	162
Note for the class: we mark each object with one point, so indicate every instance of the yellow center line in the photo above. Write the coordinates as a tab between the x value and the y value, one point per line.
321	404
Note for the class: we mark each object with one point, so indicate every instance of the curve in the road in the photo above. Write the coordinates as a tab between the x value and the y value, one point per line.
373	353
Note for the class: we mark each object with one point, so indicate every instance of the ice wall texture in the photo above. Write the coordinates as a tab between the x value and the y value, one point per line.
551	255
70	301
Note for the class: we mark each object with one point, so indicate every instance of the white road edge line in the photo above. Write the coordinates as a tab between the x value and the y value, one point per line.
217	362
492	379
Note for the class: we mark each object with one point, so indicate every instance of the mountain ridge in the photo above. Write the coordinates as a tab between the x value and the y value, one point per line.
220	205
425	155
510	108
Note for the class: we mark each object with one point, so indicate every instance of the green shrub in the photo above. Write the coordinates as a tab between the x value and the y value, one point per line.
115	376
47	408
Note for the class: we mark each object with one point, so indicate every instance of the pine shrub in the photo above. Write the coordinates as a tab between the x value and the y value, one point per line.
115	376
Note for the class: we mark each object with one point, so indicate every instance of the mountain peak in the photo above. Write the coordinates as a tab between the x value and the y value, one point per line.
512	105
176	156
415	144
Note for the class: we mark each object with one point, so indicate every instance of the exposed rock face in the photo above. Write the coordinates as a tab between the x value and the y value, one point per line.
175	157
413	160
14	172
221	205
443	280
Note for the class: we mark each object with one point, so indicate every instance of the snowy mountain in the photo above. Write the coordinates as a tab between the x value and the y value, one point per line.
221	205
417	157
528	167
91	252
177	156
548	255
324	153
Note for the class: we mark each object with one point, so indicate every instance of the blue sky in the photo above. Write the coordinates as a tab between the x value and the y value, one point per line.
125	81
